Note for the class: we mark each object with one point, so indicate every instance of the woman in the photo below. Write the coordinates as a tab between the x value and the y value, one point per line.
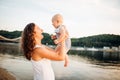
39	54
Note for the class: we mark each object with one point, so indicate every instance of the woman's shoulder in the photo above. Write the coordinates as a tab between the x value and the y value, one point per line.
38	52
39	48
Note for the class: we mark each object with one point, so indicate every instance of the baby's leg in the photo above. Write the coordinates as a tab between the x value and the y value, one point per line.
66	61
66	57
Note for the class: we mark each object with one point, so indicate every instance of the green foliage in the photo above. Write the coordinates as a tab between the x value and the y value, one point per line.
98	41
47	39
10	35
90	41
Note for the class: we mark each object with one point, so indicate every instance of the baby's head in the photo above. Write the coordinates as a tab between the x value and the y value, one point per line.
57	20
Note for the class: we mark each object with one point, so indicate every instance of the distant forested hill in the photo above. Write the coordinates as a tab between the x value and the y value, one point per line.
15	34
90	41
97	41
11	35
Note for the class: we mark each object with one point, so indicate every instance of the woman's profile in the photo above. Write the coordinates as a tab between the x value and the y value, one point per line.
39	54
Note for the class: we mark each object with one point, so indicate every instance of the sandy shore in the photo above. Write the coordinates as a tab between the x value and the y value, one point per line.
5	75
77	70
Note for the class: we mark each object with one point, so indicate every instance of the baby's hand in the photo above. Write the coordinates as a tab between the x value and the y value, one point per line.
53	36
56	41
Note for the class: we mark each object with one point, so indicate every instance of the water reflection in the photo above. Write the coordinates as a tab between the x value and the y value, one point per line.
14	49
82	65
98	55
10	48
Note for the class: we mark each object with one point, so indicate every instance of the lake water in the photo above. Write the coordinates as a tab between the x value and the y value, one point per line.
83	65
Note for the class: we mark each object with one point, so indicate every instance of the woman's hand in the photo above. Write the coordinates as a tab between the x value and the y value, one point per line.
53	37
56	41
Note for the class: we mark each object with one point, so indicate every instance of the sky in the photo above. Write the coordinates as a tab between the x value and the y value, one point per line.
82	17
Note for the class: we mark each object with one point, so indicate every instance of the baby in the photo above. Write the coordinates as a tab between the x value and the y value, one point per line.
61	34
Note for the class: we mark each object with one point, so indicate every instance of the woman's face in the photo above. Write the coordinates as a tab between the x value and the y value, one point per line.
38	32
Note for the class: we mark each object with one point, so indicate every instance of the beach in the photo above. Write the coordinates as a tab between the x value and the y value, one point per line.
78	69
5	75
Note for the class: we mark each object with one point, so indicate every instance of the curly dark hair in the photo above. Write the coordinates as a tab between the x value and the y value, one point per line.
28	40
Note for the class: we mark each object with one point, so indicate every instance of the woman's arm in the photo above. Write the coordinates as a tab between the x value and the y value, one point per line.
51	54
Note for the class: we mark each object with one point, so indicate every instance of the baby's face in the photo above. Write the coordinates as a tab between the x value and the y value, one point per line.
55	23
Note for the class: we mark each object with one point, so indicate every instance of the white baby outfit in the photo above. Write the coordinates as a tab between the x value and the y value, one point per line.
67	41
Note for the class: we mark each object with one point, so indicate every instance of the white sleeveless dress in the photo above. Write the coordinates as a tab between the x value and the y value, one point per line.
42	69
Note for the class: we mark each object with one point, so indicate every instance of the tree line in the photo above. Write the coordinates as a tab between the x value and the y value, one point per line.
90	41
97	41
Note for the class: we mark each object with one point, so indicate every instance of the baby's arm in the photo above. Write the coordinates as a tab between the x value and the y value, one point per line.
61	37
